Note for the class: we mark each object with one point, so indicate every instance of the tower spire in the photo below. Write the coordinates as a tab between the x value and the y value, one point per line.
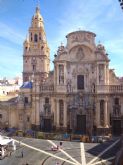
38	6
34	49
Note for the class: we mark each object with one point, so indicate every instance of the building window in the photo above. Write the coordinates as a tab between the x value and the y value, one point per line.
20	117
61	112
80	82
28	119
0	116
26	100
116	101
33	68
102	112
46	100
31	36
39	36
35	38
61	74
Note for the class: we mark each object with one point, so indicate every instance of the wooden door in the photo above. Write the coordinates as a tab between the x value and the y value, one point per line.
81	124
47	125
116	127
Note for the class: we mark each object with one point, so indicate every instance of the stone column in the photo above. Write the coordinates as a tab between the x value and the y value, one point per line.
98	113
97	74
65	114
105	74
37	112
57	112
105	114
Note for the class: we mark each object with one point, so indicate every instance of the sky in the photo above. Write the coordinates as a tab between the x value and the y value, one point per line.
103	17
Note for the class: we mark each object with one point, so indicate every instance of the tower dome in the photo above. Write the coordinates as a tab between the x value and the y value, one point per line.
37	20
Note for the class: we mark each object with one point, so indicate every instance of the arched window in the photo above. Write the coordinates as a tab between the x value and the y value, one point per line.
61	74
116	101
35	38
80	82
46	100
31	36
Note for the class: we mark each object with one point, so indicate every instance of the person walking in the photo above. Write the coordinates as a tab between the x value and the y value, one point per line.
60	144
22	153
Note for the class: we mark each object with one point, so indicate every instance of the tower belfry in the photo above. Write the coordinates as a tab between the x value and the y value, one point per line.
36	59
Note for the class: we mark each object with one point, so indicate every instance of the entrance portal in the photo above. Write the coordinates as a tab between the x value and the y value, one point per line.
116	127
81	124
47	125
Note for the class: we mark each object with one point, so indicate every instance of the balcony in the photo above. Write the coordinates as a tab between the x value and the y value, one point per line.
116	115
109	89
45	88
47	114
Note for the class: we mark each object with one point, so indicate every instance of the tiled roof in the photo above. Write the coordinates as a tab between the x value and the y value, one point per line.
27	84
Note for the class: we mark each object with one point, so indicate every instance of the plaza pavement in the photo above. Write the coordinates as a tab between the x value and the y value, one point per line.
38	152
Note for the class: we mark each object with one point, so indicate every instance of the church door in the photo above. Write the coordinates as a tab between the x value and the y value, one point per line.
81	124
116	127
47	125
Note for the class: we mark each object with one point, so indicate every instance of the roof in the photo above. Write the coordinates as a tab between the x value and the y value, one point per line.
27	84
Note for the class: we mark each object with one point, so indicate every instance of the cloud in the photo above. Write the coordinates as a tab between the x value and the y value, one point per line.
10	61
103	18
86	15
115	46
10	34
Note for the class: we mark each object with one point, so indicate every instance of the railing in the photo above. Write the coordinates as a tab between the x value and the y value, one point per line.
116	115
45	88
109	88
46	115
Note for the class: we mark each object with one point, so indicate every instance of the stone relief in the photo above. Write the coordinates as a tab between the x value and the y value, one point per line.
69	85
81	37
80	54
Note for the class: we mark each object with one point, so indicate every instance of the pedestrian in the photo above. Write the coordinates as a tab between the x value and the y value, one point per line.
61	143
22	153
19	142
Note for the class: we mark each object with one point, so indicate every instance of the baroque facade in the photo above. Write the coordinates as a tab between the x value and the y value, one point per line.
81	95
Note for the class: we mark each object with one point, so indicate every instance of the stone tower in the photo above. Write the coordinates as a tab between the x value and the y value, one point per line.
36	62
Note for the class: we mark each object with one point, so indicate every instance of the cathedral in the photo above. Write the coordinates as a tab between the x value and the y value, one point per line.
81	95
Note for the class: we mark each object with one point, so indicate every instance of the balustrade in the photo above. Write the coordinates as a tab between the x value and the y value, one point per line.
109	89
45	88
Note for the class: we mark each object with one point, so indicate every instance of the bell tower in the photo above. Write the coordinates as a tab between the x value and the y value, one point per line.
36	60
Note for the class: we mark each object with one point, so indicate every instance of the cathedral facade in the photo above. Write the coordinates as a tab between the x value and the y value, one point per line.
81	95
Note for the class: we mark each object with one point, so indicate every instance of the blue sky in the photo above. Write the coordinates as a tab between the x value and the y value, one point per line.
103	17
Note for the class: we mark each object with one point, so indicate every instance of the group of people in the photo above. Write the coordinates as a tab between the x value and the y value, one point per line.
57	147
